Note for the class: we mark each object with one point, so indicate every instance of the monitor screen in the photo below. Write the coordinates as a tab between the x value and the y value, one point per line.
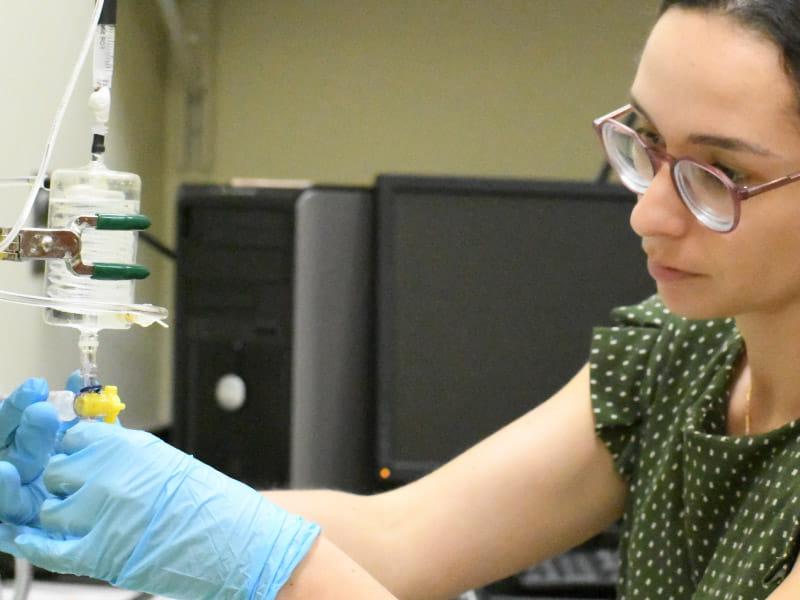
487	291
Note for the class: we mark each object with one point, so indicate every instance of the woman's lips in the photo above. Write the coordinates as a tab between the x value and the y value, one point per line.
666	274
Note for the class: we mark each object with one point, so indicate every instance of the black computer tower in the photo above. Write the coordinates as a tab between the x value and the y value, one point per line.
233	318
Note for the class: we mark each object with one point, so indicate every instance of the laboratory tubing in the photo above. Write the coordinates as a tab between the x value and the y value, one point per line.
88	342
143	315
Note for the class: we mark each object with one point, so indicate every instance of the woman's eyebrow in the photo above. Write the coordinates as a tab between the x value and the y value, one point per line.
721	142
726	143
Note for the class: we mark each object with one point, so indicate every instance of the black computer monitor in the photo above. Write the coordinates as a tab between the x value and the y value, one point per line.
486	293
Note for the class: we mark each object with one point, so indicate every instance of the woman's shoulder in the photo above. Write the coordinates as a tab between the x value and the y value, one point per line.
652	314
645	366
646	341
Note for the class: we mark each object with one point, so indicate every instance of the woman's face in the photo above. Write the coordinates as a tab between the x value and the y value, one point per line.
713	90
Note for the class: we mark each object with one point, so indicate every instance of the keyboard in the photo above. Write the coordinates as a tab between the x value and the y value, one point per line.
582	568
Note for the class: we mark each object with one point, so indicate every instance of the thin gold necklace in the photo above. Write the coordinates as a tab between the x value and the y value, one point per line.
747	410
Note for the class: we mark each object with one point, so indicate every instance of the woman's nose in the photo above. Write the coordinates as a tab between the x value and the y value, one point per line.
659	211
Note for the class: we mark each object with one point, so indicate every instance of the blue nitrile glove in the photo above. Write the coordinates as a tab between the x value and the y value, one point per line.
28	428
74	382
133	510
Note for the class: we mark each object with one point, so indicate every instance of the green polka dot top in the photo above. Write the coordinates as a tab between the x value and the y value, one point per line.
708	516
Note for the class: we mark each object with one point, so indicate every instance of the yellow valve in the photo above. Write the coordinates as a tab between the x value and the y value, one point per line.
105	403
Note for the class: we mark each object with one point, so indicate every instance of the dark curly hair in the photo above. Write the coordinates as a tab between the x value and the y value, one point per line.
778	20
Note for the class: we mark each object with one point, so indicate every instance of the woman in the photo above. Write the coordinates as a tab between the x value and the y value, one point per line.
684	423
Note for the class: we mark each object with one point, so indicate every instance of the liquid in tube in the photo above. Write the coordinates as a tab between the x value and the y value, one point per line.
92	190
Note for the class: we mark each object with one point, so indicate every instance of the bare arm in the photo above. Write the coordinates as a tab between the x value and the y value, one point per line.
537	487
326	573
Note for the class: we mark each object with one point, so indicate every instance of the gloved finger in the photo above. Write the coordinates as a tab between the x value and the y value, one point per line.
63	426
34	440
66	474
72	517
74	382
11	409
10	493
19	504
85	433
51	552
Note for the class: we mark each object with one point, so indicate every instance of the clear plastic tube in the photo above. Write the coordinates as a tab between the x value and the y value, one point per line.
135	314
88	343
16	181
48	150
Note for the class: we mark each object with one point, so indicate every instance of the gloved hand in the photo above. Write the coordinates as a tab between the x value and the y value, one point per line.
28	428
132	510
74	382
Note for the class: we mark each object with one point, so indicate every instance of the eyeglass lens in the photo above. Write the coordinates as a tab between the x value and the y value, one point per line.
701	190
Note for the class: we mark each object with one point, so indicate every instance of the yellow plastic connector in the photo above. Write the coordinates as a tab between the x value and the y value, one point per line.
105	404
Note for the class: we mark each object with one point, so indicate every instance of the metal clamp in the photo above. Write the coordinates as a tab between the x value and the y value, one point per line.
65	244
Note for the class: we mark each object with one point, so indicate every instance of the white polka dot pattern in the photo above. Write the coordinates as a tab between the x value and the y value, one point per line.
709	515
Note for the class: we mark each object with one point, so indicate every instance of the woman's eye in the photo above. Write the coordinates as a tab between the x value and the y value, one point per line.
735	176
650	136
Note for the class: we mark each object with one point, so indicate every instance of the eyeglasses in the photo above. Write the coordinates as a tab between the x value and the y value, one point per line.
706	191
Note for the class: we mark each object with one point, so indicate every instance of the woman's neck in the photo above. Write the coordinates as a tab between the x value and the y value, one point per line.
772	366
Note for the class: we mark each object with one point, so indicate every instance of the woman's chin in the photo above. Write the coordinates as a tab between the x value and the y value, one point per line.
691	306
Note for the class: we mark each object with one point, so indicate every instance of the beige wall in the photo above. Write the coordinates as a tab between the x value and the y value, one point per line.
339	91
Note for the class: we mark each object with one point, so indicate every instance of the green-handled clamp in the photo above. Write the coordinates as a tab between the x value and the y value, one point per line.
65	244
117	272
115	222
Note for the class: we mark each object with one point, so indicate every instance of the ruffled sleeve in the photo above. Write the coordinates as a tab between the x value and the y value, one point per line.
618	362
